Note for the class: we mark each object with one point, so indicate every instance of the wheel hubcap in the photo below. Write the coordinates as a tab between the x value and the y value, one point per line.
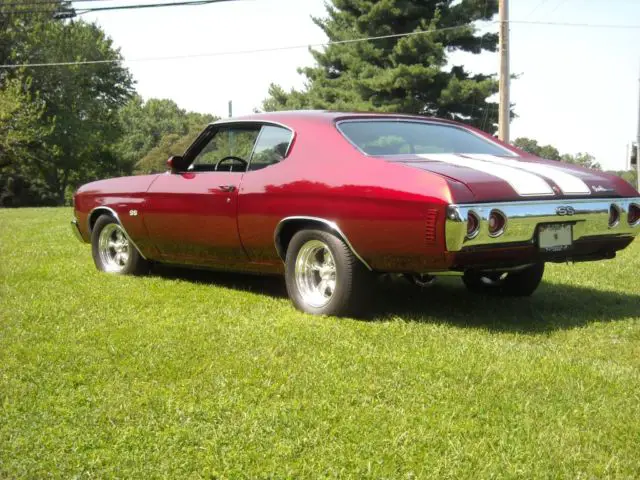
114	248
316	274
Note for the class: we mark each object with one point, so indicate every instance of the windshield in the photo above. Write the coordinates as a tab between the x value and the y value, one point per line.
396	137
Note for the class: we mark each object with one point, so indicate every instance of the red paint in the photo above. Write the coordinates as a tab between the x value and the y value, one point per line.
392	212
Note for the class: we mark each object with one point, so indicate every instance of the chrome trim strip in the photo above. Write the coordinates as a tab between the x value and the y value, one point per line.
115	215
332	225
591	219
76	230
508	153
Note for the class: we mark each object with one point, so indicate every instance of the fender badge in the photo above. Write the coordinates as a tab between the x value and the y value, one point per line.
568	210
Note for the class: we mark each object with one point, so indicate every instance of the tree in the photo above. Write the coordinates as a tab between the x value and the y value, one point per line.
531	146
79	102
152	124
407	74
583	159
552	153
21	137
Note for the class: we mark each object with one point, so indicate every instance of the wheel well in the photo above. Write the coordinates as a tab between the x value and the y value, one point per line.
93	218
289	227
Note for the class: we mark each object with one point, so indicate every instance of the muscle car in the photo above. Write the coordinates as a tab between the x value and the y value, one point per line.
332	199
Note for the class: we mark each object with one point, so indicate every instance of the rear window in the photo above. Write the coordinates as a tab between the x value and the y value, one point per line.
393	137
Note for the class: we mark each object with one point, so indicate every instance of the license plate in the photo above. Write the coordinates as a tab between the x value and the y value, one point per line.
555	237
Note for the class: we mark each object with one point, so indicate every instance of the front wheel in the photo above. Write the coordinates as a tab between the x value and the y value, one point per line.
520	283
113	251
323	276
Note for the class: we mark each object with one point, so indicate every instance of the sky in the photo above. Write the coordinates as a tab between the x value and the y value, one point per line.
577	88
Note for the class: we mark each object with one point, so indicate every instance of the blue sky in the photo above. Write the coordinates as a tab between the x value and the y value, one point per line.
578	87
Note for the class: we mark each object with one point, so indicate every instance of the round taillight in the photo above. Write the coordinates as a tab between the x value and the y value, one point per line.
614	216
634	215
497	221
473	225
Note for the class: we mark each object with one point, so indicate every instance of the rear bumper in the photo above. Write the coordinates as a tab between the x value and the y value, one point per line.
589	219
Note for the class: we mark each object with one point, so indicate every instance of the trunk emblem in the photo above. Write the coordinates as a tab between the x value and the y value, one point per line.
566	211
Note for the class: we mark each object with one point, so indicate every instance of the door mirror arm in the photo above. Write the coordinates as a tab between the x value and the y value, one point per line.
175	164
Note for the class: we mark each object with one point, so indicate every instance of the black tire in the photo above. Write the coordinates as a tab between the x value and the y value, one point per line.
353	281
134	264
521	283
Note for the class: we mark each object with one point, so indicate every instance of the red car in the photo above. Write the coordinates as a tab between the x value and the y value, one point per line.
330	199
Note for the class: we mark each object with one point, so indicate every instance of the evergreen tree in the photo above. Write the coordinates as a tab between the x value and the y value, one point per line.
408	74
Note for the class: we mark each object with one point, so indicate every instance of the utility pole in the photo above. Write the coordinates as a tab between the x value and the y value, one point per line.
230	108
504	116
638	141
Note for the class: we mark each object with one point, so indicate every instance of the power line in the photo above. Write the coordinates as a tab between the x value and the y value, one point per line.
560	3
81	11
582	25
152	5
535	9
316	45
48	2
236	52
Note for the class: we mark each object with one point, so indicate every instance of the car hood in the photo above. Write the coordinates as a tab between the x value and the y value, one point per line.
123	185
506	178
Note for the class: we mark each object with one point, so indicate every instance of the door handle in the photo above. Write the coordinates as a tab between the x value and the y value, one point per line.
227	188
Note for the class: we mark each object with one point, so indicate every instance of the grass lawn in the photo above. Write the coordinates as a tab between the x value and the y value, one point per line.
206	375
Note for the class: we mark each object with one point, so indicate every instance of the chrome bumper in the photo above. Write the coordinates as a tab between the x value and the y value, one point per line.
76	230
590	218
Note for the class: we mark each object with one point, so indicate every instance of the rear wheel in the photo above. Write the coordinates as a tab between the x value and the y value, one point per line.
520	283
112	250
323	276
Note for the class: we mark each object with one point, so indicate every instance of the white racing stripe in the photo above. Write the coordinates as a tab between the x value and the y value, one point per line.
569	184
523	182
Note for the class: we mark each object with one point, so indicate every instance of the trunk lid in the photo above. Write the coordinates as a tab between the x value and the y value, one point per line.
507	178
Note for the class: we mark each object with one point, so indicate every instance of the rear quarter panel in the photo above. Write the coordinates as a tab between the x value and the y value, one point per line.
383	208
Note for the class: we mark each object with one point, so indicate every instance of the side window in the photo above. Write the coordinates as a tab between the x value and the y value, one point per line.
228	144
272	147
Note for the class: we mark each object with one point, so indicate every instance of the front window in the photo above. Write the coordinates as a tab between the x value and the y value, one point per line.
398	137
228	149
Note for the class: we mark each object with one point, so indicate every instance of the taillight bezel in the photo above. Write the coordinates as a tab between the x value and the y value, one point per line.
633	207
476	218
502	225
615	216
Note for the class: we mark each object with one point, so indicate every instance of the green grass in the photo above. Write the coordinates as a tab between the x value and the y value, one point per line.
205	375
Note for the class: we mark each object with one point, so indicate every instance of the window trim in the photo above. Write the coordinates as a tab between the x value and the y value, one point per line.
508	152
230	123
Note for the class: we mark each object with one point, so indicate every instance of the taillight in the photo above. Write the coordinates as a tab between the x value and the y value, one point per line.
634	215
497	222
614	216
473	225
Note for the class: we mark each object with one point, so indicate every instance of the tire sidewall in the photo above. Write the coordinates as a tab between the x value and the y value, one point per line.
340	301
134	256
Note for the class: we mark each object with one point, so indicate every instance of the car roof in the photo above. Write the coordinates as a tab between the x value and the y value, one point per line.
323	116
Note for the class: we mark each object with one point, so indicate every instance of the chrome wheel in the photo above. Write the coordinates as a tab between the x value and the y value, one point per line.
315	273
114	248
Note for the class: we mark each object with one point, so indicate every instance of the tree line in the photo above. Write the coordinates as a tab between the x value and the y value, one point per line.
62	126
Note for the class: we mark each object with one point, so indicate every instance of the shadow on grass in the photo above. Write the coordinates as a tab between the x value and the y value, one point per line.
552	307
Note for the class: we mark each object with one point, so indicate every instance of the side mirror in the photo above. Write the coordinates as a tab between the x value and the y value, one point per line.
175	163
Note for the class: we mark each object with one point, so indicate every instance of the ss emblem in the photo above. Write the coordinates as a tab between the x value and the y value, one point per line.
133	213
566	211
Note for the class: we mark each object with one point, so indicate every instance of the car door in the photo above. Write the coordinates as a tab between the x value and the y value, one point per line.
191	213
